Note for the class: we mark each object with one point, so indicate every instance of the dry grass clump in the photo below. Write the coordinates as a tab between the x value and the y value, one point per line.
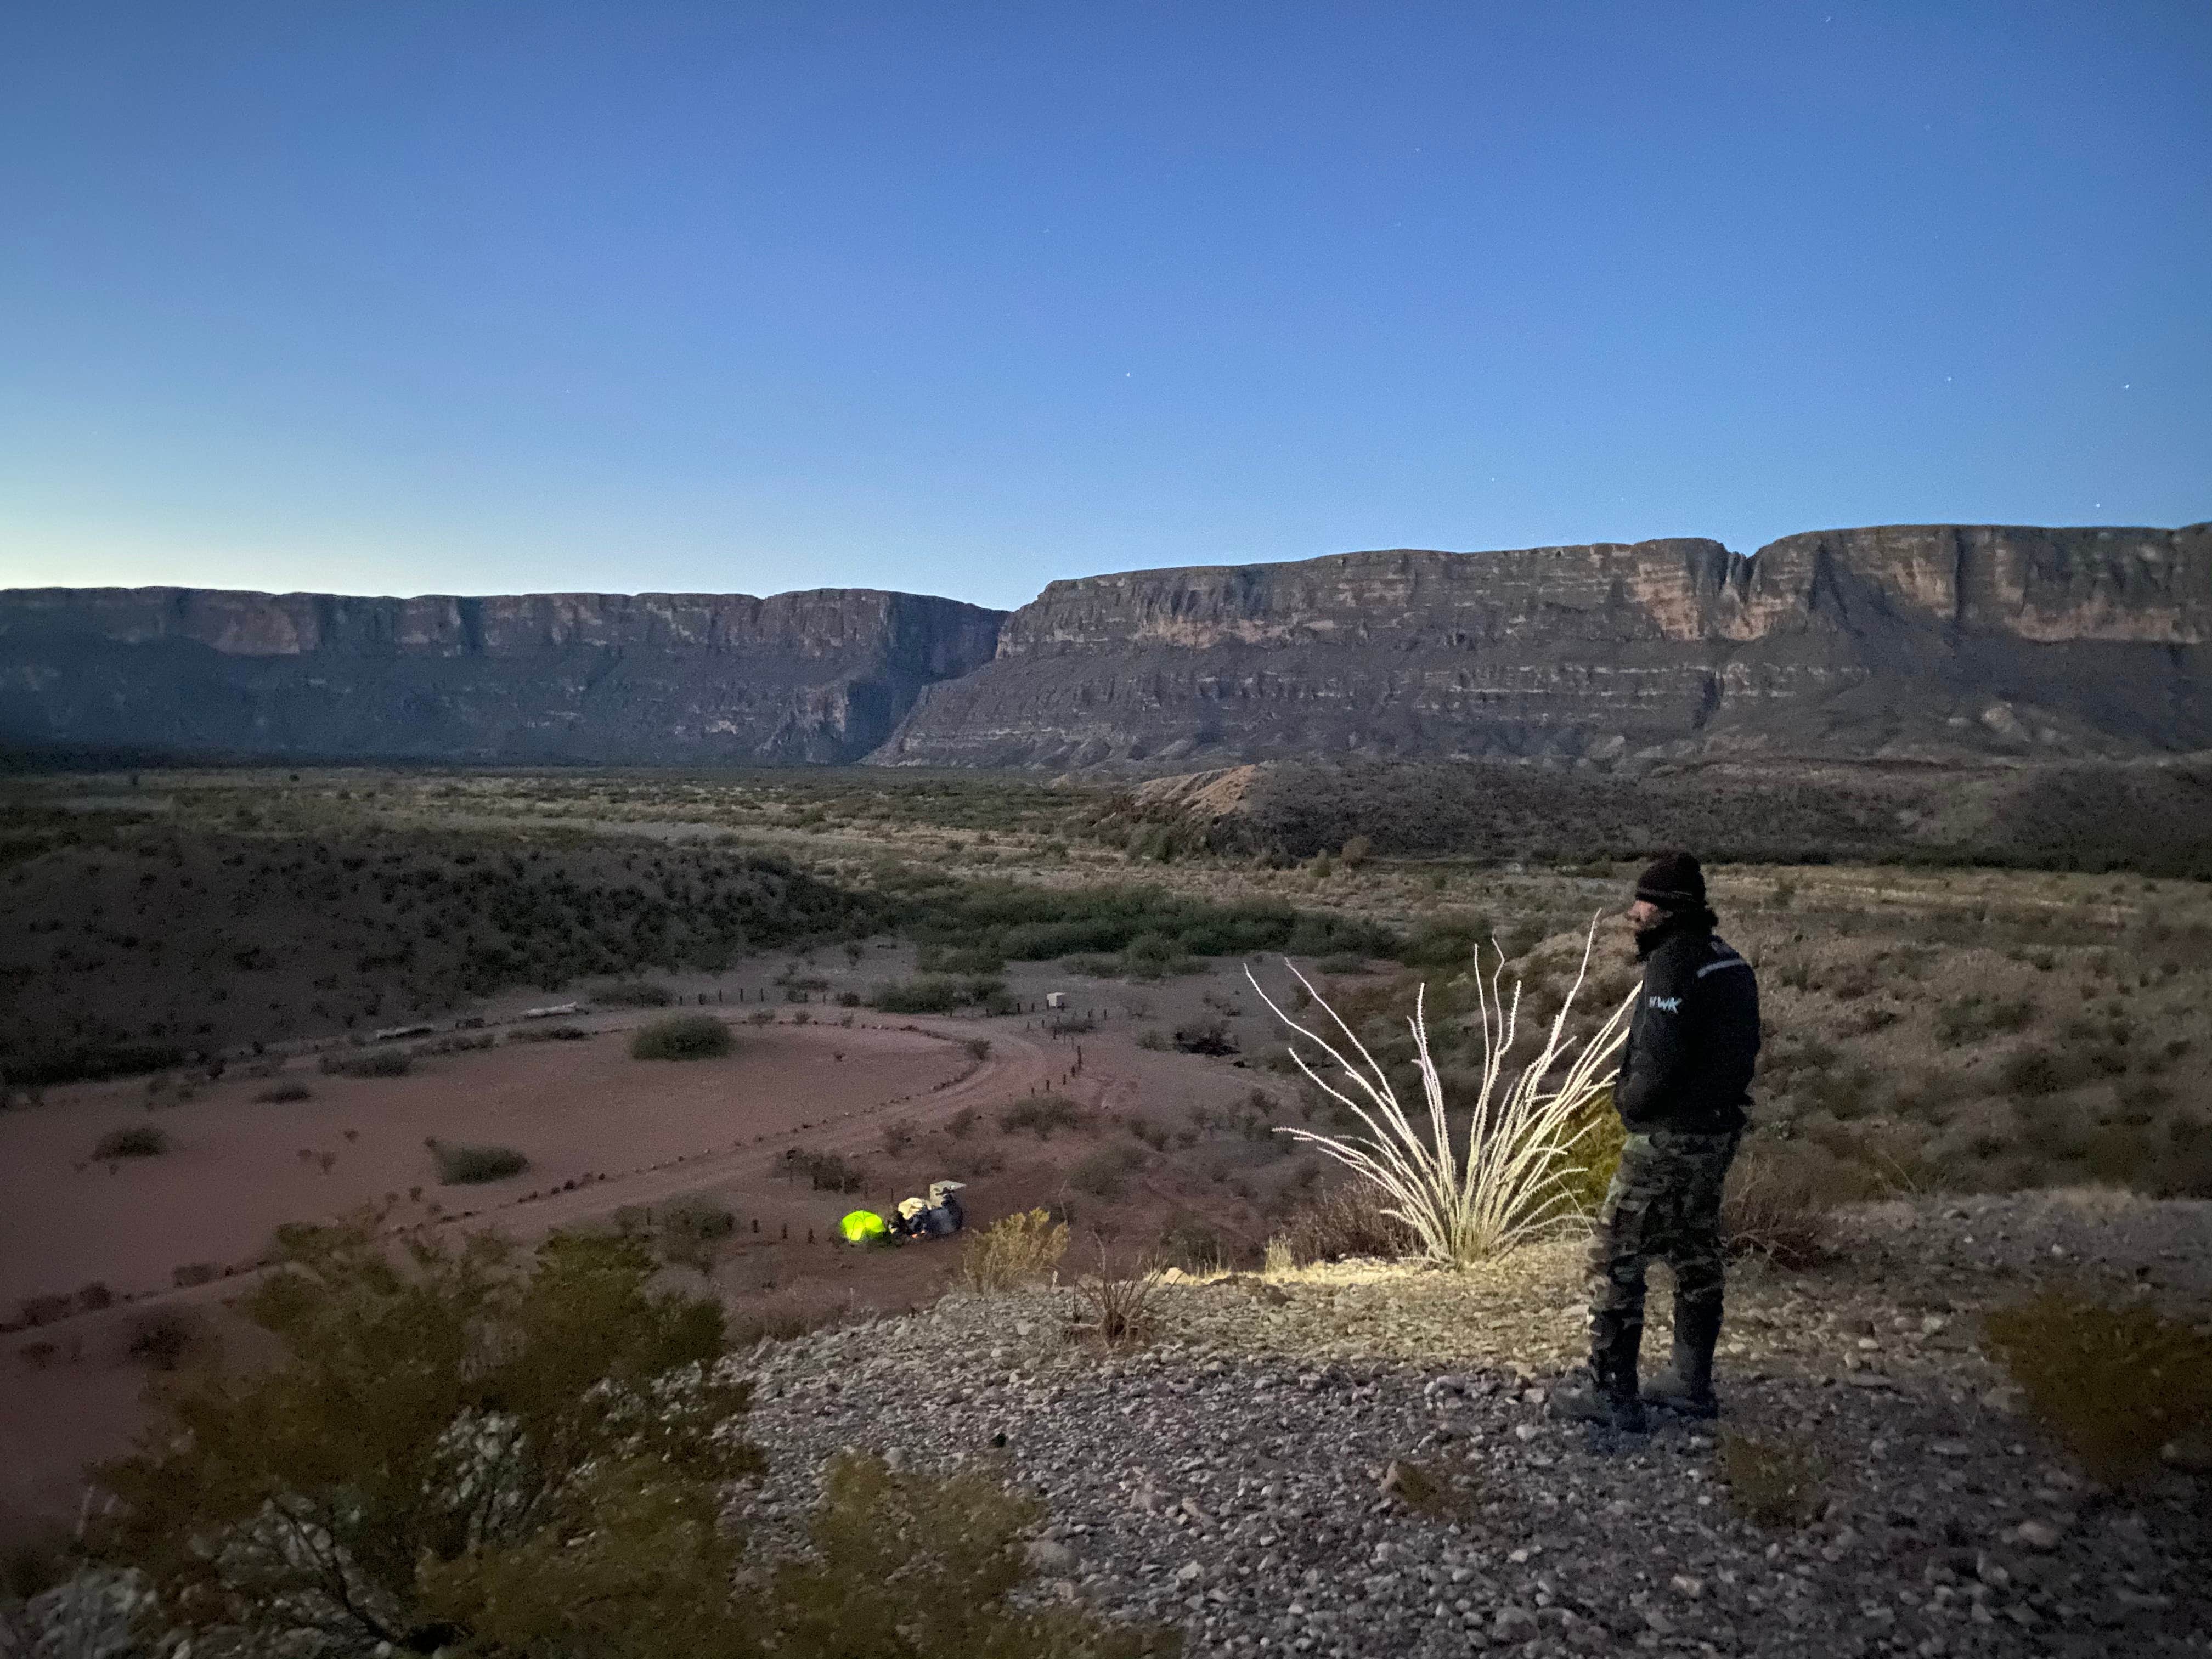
1021	1250
1115	1310
1348	1220
682	1037
279	1094
1771	1483
1781	1206
2111	1384
137	1141
825	1172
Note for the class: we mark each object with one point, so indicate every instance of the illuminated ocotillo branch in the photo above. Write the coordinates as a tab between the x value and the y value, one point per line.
1507	1182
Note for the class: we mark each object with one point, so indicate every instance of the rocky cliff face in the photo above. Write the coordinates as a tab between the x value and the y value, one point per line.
1907	641
646	678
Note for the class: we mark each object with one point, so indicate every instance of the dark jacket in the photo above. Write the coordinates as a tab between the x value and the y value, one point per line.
1694	1038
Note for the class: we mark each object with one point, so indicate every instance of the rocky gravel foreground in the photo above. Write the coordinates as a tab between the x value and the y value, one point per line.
1354	1460
1252	1477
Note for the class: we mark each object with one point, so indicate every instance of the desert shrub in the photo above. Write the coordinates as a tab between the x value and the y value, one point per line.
935	995
961	959
2111	1384
1972	1018
44	1309
1154	1040
1782	1206
885	1544
634	994
898	1135
193	1272
1205	1036
1040	1115
1593	1153
681	1036
40	1070
366	1062
548	1034
979	1048
1769	1483
460	1166
1022	1248
2038	1071
692	1231
1101	1173
826	1172
137	1141
1112	1308
284	1093
962	1123
163	1341
91	1299
1070	1024
565	1381
1347	1220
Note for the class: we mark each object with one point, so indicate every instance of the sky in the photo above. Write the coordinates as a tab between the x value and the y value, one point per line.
640	295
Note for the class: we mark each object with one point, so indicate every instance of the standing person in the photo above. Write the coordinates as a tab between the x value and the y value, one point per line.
1683	1087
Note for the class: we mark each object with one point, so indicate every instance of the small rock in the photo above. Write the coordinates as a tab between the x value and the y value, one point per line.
1189	1572
1692	1587
1051	1557
1658	1621
1525	1433
2038	1535
1513	1624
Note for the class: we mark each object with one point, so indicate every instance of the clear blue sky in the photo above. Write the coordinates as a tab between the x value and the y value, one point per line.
474	297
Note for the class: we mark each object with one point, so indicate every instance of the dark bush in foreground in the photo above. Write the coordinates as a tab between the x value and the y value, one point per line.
462	1166
567	1380
280	1093
685	1036
140	1140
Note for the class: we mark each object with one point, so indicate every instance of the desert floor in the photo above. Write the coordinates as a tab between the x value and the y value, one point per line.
607	1136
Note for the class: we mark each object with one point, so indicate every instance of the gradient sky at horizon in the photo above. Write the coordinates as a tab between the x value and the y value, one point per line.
484	297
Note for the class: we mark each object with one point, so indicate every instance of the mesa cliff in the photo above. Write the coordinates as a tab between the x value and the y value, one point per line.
647	679
1925	642
1897	641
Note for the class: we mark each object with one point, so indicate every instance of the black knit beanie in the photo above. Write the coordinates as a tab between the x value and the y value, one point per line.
1673	881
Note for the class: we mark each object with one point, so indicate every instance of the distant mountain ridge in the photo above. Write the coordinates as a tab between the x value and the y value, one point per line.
1901	641
651	679
1897	641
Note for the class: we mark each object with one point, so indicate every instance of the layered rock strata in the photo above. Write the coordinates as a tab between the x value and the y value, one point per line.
1892	641
823	676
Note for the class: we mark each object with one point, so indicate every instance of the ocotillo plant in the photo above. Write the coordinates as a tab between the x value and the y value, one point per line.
1504	1185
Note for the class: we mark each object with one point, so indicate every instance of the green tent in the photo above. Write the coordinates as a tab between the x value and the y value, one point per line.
864	1227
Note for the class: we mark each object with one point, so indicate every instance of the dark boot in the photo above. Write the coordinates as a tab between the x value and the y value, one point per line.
1687	1387
1609	1398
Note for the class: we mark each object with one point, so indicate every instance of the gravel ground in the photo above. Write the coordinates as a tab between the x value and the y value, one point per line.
1355	1461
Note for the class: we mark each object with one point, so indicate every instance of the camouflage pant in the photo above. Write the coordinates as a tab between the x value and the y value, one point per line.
1664	1202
